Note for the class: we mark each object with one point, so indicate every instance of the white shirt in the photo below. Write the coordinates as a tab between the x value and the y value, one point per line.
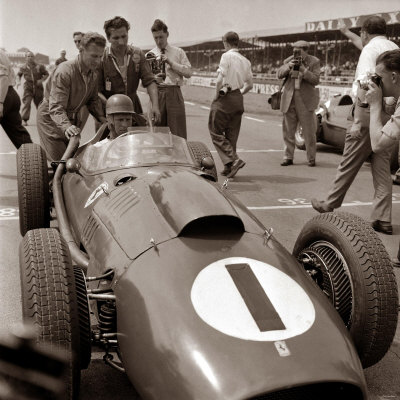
174	76
367	61
235	69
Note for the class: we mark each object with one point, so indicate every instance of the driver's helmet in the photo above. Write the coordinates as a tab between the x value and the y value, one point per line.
119	104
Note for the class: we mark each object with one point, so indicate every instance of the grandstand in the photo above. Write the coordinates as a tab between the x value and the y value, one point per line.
266	49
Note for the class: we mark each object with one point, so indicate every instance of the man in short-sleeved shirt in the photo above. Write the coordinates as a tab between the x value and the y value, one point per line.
10	119
176	66
233	81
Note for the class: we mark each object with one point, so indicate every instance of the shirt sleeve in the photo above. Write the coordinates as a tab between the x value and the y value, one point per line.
183	65
223	65
58	99
392	128
366	62
94	103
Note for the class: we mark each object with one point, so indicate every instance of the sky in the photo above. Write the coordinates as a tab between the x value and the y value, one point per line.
46	26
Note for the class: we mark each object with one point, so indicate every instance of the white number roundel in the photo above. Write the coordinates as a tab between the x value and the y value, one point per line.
235	306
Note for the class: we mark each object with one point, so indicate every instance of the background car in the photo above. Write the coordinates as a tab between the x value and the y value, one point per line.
332	122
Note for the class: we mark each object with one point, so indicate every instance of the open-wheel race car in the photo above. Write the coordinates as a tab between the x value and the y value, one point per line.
152	261
332	123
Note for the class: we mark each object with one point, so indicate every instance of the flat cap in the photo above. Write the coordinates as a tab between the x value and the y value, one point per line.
302	44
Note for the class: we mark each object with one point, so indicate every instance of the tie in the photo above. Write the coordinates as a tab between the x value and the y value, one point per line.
163	64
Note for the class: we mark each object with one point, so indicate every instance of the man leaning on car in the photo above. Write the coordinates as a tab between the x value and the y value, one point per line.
74	85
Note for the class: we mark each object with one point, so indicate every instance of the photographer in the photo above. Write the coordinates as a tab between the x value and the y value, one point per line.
174	66
299	100
233	81
357	146
385	84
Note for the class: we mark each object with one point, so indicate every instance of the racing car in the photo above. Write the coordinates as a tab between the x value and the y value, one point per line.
332	121
150	259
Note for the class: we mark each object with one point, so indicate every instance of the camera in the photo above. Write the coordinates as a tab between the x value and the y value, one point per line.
376	79
297	58
224	90
156	64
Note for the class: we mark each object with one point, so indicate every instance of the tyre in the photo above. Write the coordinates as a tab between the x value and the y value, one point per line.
199	151
348	261
33	188
49	299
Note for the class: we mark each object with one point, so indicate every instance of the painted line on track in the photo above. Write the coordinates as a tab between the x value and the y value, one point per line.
254	151
205	108
255	119
190	103
10	153
354	204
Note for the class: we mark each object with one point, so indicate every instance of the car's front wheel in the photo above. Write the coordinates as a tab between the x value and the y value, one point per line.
348	261
49	298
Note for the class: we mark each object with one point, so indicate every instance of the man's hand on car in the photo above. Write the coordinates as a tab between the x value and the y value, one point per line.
155	115
72	131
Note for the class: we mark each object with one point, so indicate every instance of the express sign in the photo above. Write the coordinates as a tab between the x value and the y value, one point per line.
352	22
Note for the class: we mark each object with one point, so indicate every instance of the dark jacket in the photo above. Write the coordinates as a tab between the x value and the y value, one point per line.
138	69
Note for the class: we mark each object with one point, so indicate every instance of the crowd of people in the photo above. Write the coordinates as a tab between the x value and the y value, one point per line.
103	81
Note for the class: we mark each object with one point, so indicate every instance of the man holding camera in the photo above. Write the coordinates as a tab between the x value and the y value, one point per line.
233	81
357	146
384	136
174	67
299	100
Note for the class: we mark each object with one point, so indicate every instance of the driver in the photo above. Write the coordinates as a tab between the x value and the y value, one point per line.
121	115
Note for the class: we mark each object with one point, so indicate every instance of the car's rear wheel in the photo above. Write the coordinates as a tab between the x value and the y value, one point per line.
348	261
33	188
49	298
199	151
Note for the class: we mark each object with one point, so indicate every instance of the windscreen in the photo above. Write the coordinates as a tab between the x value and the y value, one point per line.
136	148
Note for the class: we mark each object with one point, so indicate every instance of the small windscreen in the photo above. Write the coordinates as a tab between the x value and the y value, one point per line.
135	148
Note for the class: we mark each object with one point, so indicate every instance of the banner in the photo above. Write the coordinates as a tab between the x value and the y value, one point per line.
352	22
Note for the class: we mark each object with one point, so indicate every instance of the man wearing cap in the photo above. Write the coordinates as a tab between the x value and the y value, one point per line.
34	74
62	57
299	100
357	147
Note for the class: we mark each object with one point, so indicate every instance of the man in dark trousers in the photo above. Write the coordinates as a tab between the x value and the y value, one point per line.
169	81
124	66
233	81
10	118
34	74
299	100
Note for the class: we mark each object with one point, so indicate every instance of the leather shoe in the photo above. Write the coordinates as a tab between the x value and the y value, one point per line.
227	169
396	262
285	163
320	206
311	163
382	226
236	165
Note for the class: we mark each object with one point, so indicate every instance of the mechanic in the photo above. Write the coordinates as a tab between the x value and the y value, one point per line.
74	85
62	58
299	100
357	146
121	115
169	81
234	79
123	66
77	36
34	74
384	135
10	118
